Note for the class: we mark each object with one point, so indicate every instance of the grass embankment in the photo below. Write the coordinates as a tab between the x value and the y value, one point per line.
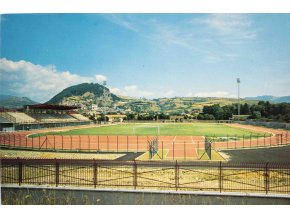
5	153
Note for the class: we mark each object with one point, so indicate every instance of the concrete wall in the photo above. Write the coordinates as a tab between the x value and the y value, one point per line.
45	195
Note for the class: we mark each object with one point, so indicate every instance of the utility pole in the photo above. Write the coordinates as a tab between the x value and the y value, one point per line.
239	107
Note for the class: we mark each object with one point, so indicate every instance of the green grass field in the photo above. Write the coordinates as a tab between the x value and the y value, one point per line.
195	129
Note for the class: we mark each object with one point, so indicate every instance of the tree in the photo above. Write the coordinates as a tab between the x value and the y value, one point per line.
256	115
245	109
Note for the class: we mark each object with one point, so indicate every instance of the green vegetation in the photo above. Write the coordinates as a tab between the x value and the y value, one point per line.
8	101
195	129
79	90
262	110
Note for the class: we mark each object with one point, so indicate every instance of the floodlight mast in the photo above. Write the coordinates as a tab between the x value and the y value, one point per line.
239	107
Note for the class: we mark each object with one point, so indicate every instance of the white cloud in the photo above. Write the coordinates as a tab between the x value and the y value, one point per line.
131	91
219	94
38	82
168	34
121	21
101	78
233	27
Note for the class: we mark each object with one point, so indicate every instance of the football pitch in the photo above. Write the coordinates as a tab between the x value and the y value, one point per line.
149	129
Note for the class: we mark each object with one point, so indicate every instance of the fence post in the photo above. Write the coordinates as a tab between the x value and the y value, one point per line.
137	143
117	144
135	174
98	143
266	178
173	150
184	151
95	174
243	140
235	141
61	142
56	173
89	138
38	141
80	142
53	142
70	142
162	150
176	176
220	177
127	143
9	140
19	172
107	143
198	149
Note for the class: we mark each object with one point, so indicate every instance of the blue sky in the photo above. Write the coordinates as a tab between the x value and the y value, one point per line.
146	55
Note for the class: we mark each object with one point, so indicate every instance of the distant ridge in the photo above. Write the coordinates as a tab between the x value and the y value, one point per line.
9	101
270	98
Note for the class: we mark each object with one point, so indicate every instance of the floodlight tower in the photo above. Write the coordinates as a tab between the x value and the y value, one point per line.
239	108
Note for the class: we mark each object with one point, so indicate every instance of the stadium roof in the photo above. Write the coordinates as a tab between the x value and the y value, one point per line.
51	106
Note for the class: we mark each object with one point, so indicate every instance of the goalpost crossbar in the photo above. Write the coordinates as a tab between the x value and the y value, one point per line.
141	127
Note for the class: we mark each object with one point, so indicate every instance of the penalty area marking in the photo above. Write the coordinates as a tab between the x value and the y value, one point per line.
194	146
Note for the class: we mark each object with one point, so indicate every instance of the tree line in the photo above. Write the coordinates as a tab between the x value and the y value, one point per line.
262	111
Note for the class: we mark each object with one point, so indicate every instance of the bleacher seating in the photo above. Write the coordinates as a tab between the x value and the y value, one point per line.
53	117
21	117
3	120
80	117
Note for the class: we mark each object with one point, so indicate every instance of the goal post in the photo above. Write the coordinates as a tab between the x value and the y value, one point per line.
136	129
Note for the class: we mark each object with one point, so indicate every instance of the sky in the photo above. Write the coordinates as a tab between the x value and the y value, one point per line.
146	55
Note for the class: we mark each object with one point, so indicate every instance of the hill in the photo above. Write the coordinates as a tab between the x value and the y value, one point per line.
89	95
8	101
271	98
92	90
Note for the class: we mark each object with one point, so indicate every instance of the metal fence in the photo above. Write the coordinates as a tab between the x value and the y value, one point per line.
275	125
168	175
169	147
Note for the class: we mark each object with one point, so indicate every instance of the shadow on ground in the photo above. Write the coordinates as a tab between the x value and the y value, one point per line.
274	154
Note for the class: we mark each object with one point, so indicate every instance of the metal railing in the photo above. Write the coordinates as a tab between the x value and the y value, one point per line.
189	176
168	148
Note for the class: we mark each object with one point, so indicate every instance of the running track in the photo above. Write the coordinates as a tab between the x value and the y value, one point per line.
174	147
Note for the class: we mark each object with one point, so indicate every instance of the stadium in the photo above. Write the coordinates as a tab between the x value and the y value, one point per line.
171	127
140	155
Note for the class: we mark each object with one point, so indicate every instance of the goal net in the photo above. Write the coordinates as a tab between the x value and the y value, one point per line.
146	130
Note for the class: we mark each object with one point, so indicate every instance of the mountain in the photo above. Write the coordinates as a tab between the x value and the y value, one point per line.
93	96
8	101
270	98
84	90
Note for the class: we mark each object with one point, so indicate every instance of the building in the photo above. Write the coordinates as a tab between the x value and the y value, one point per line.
176	118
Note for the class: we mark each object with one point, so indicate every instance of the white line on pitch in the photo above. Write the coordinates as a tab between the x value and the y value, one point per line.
174	138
